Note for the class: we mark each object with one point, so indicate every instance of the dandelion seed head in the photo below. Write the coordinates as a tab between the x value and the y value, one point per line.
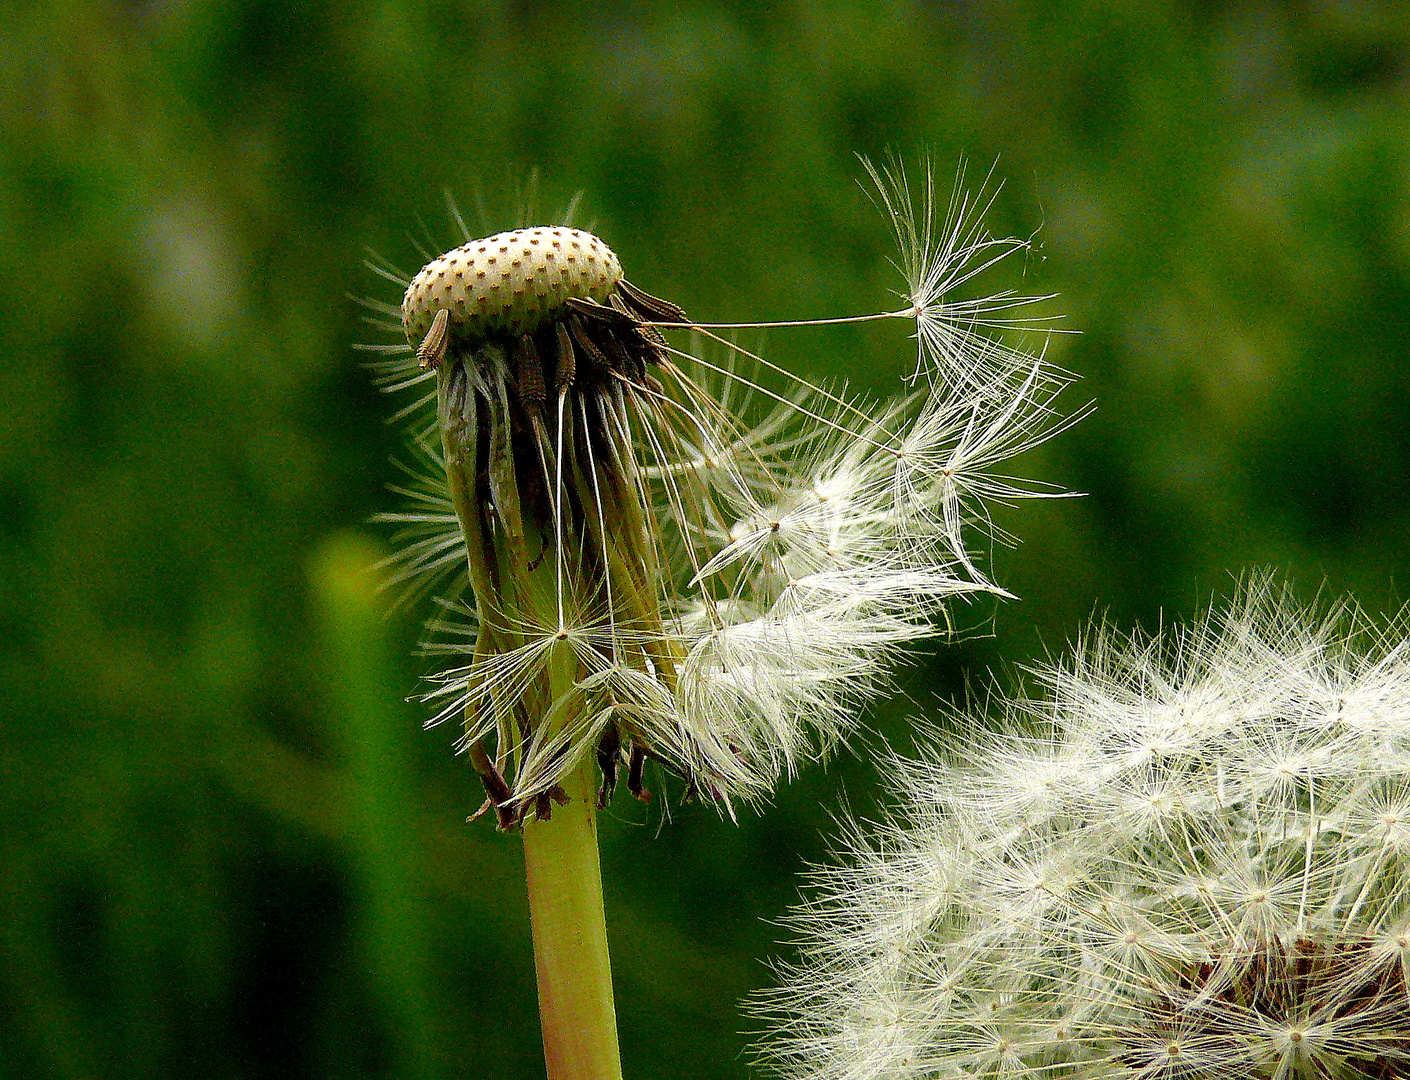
1236	904
655	558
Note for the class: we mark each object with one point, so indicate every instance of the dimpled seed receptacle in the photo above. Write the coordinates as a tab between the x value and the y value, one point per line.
509	282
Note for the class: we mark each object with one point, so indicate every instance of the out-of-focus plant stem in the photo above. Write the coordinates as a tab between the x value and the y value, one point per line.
373	730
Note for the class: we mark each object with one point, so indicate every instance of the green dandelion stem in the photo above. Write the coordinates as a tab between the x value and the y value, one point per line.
570	937
516	590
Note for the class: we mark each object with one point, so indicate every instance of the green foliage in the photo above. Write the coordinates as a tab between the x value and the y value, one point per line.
204	871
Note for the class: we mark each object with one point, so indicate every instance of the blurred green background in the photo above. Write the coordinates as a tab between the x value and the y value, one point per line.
227	850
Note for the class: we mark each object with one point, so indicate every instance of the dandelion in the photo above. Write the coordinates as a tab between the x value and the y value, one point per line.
715	585
671	561
1200	870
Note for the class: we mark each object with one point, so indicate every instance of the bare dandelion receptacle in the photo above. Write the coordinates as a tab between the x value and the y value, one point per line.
509	282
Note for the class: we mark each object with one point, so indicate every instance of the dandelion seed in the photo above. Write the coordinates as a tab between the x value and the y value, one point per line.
1231	901
660	568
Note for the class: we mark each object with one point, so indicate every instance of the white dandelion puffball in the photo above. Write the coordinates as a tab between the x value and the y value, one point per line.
1200	871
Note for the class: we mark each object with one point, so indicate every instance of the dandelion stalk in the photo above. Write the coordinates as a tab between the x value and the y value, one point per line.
570	937
562	865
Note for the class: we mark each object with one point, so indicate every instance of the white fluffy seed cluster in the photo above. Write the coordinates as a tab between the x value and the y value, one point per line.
509	282
790	581
1202	871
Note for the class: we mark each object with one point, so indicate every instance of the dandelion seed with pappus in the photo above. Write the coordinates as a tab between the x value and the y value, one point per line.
1200	872
661	569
